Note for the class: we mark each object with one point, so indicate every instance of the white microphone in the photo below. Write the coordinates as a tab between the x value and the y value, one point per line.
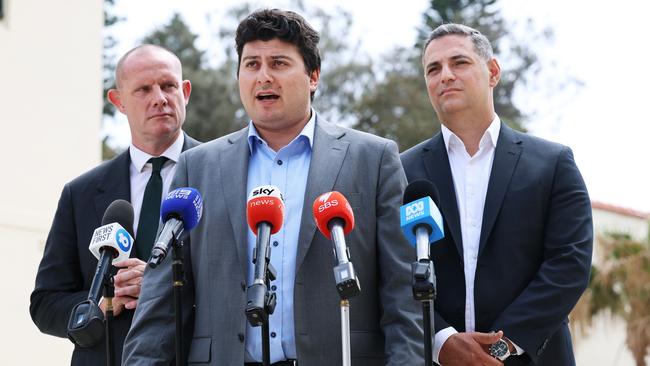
112	237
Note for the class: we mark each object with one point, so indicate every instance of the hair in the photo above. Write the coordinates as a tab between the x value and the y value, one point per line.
482	45
285	25
122	60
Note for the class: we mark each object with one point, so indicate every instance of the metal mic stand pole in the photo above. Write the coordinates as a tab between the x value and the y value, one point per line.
347	285
424	290
345	332
260	301
109	293
178	281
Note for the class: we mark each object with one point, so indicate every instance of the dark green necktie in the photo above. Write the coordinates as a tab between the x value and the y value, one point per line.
150	212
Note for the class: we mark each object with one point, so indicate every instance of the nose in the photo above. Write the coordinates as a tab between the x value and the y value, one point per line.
446	75
264	75
159	98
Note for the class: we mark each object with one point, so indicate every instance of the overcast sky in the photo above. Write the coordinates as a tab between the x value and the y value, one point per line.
605	121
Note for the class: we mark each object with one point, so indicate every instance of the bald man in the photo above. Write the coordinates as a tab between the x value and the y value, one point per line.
151	92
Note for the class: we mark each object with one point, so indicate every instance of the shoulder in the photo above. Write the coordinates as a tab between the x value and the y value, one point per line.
415	151
534	147
218	144
354	137
118	165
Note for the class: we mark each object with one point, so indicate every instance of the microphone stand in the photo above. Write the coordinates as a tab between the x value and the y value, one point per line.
178	281
347	285
424	290
109	293
260	301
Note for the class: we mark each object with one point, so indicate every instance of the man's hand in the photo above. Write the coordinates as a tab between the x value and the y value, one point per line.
468	349
128	281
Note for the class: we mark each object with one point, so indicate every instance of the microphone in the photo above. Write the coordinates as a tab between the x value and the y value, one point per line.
334	218
264	214
421	224
180	211
112	240
420	218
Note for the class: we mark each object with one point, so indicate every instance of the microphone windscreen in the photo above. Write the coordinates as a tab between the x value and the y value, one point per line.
329	206
184	204
121	212
419	189
265	205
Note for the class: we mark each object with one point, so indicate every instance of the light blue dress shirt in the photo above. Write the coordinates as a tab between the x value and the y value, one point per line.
287	169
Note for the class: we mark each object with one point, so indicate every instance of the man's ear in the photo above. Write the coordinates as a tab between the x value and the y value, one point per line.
495	72
187	90
314	77
114	97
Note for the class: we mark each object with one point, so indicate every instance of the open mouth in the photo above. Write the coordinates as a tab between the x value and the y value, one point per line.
267	96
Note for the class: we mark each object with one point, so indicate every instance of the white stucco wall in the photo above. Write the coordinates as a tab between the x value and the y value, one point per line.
51	102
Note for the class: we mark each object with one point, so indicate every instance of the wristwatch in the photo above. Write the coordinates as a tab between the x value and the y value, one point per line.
500	350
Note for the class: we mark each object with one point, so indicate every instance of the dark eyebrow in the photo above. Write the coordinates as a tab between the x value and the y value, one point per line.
453	58
249	58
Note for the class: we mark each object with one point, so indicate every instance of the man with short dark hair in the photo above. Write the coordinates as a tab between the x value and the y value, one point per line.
288	145
518	232
151	92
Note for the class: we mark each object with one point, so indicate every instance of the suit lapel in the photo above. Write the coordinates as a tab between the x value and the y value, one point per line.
436	163
233	162
506	157
114	183
328	153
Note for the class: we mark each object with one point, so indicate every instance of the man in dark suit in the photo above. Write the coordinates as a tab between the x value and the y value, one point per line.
151	92
518	230
288	145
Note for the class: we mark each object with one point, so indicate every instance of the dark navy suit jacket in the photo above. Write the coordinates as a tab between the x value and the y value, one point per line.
535	247
67	267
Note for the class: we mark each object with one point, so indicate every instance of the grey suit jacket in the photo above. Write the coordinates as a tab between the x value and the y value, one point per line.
385	320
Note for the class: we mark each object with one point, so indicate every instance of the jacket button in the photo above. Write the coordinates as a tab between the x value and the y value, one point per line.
243	286
241	337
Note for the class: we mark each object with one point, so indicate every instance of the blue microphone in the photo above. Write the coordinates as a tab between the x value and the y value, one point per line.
181	211
420	218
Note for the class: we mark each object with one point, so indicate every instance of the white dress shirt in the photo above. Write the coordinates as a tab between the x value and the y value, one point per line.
471	175
140	172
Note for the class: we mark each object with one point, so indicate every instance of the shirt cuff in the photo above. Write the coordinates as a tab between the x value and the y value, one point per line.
520	351
440	339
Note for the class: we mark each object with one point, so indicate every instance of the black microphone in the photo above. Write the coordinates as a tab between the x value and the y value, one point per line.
422	224
114	239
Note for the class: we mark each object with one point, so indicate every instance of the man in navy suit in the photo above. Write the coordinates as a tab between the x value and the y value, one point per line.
150	91
517	250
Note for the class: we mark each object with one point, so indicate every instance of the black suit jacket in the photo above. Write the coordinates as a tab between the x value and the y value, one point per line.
535	247
67	267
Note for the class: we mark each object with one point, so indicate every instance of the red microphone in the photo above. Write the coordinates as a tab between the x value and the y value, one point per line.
265	206
330	206
265	214
334	218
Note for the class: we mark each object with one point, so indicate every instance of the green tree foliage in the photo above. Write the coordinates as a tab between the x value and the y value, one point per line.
108	59
620	286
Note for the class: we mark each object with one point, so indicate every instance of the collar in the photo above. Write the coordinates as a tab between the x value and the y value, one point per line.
491	135
307	132
139	158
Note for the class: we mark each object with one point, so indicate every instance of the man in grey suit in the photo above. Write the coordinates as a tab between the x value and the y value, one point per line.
287	145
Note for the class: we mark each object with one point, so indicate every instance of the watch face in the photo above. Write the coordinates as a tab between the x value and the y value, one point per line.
499	348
